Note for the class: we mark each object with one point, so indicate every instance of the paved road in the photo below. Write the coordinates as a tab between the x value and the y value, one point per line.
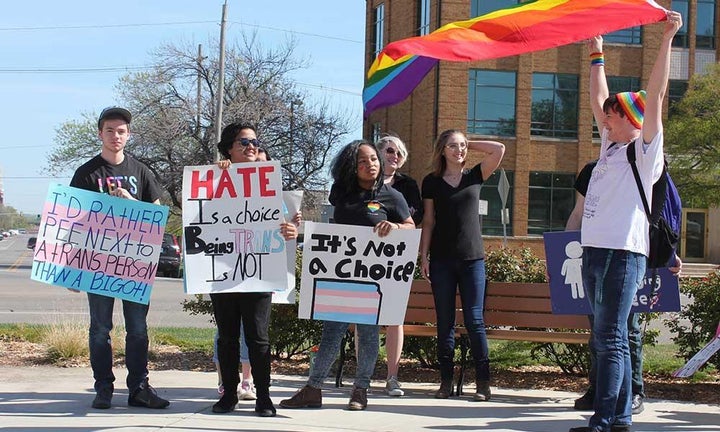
23	300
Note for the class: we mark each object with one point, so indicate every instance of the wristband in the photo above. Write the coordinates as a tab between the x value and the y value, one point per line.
597	59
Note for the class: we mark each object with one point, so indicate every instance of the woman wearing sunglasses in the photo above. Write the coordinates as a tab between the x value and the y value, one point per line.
395	154
239	143
451	250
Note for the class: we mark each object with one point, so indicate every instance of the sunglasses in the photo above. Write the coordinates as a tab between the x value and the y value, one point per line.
246	142
392	151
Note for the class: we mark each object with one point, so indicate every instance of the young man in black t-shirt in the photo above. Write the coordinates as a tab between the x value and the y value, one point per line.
118	174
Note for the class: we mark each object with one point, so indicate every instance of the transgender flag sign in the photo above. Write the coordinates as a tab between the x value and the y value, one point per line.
349	274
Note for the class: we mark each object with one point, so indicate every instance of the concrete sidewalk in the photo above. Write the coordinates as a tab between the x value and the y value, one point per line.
57	399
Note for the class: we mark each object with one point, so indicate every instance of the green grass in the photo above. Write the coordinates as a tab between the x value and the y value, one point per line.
188	339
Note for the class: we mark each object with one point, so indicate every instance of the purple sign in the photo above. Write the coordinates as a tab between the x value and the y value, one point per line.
563	253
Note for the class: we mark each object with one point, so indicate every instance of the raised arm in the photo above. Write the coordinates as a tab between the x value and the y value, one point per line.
598	82
657	84
495	152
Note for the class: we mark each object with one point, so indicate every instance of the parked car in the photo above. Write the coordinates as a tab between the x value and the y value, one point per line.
31	242
170	263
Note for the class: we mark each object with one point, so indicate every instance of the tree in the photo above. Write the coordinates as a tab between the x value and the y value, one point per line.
692	141
168	133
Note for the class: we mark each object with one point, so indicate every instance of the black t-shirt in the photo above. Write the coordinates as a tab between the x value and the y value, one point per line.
367	208
409	189
98	175
457	232
583	179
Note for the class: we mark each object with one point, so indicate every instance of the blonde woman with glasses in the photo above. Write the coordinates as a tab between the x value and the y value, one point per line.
395	154
452	253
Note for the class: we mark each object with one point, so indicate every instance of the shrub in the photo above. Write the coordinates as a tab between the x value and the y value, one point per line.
510	265
696	323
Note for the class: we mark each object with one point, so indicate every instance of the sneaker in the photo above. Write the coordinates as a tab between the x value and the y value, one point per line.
226	403
103	398
247	391
358	399
145	396
585	402
392	387
265	408
637	404
306	397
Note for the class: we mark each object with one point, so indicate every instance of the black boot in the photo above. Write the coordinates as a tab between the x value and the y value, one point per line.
482	391
445	390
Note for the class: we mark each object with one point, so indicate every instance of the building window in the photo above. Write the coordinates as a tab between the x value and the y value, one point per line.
551	198
481	7
379	29
554	105
705	24
376	131
676	91
492	222
423	17
631	36
617	84
491	102
680	39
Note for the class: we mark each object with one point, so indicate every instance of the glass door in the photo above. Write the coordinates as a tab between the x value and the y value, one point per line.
693	236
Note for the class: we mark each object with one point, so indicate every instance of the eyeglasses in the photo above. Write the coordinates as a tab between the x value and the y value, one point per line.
246	142
462	146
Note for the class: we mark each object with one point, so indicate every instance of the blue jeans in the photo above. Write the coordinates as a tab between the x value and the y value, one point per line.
448	275
332	335
636	356
244	356
611	278
136	341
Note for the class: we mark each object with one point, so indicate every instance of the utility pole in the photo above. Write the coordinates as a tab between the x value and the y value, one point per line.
221	81
199	92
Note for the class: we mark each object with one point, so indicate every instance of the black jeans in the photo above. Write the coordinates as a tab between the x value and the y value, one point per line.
253	310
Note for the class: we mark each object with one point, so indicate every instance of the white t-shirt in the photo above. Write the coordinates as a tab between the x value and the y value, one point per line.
614	217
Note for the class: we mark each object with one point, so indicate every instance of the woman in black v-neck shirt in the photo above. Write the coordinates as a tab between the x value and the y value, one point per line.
452	253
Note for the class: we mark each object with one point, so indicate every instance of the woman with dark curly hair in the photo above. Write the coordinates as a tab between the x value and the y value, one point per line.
362	198
239	143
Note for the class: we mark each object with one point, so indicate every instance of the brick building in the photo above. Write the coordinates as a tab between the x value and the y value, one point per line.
538	105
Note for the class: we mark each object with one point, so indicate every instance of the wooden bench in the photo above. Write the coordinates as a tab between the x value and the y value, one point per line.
513	311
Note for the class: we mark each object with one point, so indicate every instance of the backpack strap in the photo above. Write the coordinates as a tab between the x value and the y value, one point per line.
633	165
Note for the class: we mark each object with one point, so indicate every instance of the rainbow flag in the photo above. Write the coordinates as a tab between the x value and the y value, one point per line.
523	28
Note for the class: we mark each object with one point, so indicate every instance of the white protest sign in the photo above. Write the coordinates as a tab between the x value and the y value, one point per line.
350	274
292	202
231	221
700	358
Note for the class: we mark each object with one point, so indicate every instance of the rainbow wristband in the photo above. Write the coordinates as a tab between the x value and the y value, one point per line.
597	59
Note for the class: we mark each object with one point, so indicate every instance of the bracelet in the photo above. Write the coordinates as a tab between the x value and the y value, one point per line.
597	59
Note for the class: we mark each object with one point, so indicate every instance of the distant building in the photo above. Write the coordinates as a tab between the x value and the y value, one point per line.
538	105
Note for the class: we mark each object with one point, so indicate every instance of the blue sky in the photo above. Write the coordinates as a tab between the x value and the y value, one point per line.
52	50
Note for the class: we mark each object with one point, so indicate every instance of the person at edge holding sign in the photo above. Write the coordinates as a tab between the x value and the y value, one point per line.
451	250
585	402
118	174
360	197
394	155
239	143
614	232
